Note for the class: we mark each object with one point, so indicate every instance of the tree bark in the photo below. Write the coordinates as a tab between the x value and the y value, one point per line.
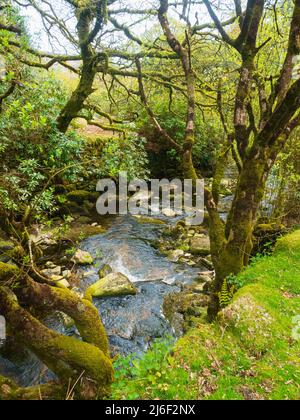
67	357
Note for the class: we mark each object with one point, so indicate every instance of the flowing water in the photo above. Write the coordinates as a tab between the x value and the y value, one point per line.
132	322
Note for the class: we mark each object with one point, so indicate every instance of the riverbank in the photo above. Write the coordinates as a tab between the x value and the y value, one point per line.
251	352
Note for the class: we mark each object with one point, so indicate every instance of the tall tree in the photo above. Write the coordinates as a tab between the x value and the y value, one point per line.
256	138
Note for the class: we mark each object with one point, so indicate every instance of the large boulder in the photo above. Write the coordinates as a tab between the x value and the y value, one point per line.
82	258
200	245
115	284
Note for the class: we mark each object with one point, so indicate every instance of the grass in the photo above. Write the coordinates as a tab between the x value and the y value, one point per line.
251	352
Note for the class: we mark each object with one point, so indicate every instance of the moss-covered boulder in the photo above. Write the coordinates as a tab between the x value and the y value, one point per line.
182	308
104	271
78	232
265	236
81	196
200	245
7	271
115	284
149	220
82	258
175	255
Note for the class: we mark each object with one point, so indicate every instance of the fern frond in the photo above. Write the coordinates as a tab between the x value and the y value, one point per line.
226	294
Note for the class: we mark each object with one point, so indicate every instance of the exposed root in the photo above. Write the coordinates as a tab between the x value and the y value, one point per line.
66	356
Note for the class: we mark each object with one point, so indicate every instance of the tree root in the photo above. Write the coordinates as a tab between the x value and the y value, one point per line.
67	357
9	391
83	312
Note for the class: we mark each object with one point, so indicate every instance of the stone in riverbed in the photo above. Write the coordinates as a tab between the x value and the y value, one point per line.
168	212
200	246
105	271
149	220
82	258
50	272
205	277
67	274
63	284
174	256
115	284
50	264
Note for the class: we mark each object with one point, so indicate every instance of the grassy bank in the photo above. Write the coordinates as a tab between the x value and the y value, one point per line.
252	352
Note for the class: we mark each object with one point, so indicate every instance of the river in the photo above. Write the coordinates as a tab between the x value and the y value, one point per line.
132	322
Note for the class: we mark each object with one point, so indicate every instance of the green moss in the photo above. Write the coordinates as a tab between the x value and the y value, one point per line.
7	271
6	246
79	354
9	390
79	196
114	284
79	232
150	220
248	353
104	271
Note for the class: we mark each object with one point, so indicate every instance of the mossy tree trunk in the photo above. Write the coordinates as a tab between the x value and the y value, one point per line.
86	362
254	147
279	116
90	60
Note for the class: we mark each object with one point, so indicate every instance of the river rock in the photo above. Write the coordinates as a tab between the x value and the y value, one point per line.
200	246
50	264
198	287
168	212
50	272
149	220
67	274
82	258
205	278
206	263
115	284
174	256
63	284
105	271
